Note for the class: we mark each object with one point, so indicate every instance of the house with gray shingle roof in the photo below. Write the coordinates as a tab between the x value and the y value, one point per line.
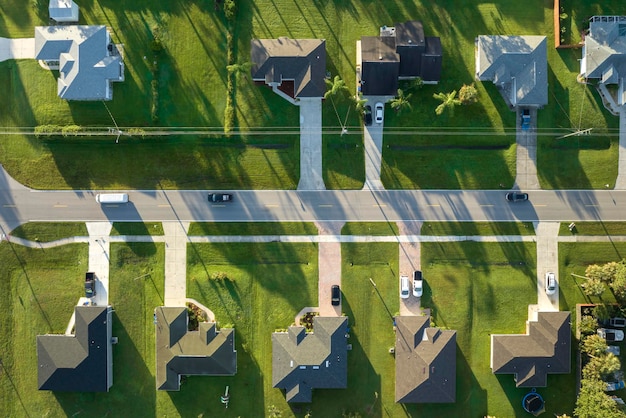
425	362
604	53
63	11
517	65
180	352
544	349
296	67
87	60
79	362
303	361
400	52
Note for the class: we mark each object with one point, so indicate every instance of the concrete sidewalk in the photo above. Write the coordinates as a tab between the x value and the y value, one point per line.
99	257
175	263
311	177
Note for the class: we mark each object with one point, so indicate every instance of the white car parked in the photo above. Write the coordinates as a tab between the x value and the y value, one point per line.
379	111
404	287
550	284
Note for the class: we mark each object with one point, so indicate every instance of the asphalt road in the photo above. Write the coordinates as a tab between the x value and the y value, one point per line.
18	206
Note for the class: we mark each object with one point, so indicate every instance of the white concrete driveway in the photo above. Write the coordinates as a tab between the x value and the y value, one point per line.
620	183
373	145
526	175
311	177
21	48
547	261
99	251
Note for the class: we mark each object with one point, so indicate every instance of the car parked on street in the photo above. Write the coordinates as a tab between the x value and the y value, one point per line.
367	115
611	334
380	108
418	284
404	287
90	284
335	295
550	283
220	197
516	197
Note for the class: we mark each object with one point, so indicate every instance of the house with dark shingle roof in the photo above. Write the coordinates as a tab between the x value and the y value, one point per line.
87	60
604	53
79	362
425	362
517	65
401	52
544	349
303	361
180	352
296	67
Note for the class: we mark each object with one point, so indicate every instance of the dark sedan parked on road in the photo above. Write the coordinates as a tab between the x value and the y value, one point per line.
516	197
220	197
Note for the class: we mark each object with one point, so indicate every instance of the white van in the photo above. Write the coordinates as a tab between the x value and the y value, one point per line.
404	287
112	198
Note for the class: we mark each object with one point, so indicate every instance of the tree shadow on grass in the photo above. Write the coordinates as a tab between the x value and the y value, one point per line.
132	393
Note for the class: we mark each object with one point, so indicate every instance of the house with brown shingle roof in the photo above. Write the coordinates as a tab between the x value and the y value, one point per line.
544	349
425	362
180	352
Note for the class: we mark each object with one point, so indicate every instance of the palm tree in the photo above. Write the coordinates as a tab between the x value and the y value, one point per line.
448	101
336	88
401	102
359	104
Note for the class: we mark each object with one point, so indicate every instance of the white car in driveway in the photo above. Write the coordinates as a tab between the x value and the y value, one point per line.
379	112
404	287
418	284
550	284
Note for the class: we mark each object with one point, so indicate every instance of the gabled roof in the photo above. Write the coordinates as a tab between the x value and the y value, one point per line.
86	65
181	352
304	361
517	65
425	362
302	61
81	362
545	348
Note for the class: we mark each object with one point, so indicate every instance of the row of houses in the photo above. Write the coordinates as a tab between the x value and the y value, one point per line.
425	356
517	65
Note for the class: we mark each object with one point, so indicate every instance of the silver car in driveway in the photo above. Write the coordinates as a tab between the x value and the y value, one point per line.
379	112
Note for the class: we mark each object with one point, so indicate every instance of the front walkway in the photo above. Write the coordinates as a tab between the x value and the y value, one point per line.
21	48
175	263
526	164
311	177
99	256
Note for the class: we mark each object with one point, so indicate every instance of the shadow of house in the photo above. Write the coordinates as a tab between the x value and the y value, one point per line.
425	362
401	52
206	352
517	65
82	362
63	11
86	59
530	357
294	68
604	53
304	361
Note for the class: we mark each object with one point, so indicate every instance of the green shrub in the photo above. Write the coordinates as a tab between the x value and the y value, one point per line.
47	130
230	9
70	130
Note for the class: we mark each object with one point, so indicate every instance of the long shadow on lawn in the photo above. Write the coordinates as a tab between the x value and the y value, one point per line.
132	393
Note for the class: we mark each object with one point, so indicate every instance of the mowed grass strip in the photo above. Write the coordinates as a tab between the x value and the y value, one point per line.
50	231
262	288
594	228
370	228
137	228
252	228
478	228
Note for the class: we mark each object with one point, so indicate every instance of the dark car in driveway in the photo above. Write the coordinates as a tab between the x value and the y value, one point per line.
335	295
367	116
516	197
220	197
90	285
525	119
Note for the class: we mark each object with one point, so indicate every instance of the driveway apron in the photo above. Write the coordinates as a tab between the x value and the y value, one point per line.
311	177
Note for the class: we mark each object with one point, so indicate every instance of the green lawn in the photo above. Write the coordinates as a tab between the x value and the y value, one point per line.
370	228
192	89
594	228
268	285
252	228
137	228
39	291
478	228
50	231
